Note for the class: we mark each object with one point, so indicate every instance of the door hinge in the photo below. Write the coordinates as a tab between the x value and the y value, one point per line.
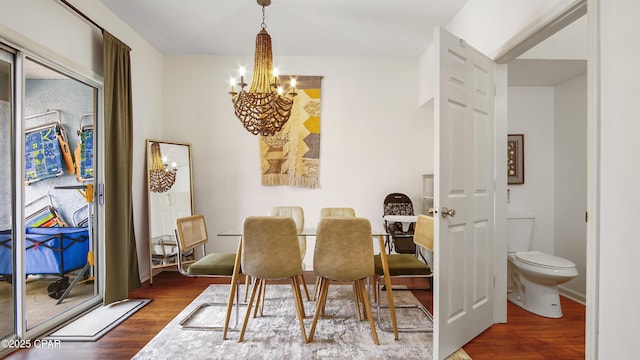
586	216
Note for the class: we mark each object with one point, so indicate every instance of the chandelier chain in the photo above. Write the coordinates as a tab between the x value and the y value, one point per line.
263	25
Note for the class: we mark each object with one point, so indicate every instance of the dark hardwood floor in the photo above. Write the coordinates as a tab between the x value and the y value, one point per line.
531	337
525	337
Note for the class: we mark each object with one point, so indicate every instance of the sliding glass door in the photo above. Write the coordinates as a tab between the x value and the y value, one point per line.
49	232
59	134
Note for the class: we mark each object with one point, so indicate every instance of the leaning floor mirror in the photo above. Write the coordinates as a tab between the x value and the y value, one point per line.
170	194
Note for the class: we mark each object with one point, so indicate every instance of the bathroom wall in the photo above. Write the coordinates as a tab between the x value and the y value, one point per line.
553	120
531	113
570	182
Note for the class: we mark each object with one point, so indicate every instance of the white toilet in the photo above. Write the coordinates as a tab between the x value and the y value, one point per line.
535	275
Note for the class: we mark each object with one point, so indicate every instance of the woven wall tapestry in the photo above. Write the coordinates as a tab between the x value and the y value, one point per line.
292	156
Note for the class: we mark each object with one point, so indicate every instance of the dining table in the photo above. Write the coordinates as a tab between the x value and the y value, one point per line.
376	233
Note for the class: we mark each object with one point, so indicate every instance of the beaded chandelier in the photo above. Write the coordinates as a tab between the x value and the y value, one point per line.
161	177
264	109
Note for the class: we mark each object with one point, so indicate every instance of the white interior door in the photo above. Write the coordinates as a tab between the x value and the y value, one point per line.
168	207
464	183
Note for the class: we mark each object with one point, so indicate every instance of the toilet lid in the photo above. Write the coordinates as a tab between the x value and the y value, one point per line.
545	260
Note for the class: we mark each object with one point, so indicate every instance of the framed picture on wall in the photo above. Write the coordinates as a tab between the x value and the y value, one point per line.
515	159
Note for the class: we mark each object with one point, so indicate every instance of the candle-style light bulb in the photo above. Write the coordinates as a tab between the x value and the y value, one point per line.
276	72
232	82
174	165
280	91
242	71
293	87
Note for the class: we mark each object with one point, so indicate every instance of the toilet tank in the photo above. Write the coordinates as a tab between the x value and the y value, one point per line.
519	231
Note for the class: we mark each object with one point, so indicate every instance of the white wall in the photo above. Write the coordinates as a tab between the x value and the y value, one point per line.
618	289
570	181
531	112
374	139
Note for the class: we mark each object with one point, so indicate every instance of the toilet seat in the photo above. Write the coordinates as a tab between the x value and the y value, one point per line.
537	258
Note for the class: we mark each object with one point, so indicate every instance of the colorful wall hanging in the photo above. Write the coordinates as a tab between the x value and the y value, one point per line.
292	155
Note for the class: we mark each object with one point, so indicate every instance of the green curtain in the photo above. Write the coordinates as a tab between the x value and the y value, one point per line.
121	260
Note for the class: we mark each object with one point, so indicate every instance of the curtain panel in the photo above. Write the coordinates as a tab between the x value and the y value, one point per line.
121	261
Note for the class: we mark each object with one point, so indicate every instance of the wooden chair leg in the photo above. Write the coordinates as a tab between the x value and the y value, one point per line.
263	296
299	306
247	281
367	308
304	286
260	300
357	298
324	303
297	281
363	293
232	293
375	291
322	286
316	290
246	316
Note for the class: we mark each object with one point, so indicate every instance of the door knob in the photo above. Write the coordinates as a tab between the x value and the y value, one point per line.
448	212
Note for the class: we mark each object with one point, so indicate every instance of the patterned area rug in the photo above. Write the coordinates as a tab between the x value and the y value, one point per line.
276	335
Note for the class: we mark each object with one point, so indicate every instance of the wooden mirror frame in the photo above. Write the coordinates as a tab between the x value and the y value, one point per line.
168	199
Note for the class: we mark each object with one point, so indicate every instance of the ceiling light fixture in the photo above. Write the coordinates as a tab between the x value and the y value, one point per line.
265	108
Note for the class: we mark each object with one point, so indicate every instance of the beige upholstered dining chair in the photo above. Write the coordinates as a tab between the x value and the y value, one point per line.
408	265
297	213
333	261
191	233
270	251
331	212
337	212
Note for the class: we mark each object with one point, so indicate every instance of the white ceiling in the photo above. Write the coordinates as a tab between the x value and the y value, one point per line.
376	28
541	72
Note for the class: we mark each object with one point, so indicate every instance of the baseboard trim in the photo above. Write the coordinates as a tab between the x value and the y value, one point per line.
573	295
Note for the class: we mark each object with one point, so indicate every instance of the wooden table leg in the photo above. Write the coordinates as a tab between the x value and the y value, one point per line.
232	291
387	283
